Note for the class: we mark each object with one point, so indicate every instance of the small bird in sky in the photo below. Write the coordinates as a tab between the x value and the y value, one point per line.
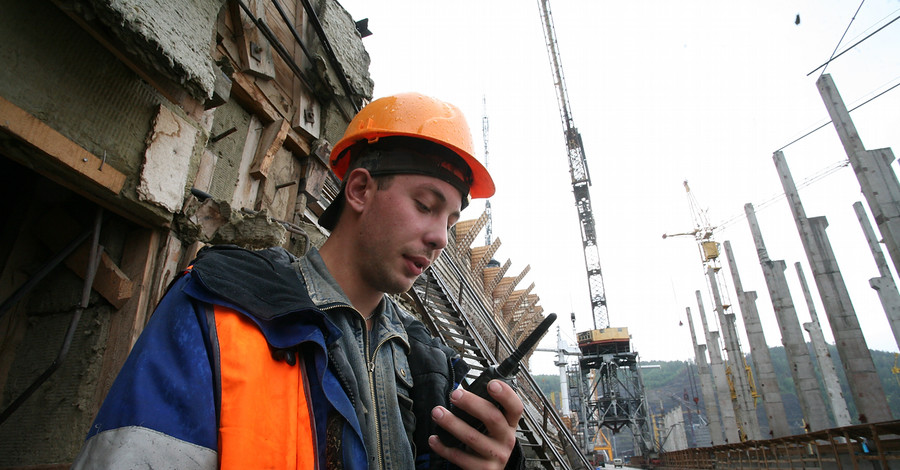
797	19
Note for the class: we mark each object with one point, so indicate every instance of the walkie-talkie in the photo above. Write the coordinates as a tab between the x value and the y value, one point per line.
505	372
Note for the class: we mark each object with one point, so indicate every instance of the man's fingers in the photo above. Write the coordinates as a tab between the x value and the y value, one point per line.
484	446
507	398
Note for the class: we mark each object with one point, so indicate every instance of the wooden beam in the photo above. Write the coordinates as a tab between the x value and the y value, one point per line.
247	93
31	130
55	229
254	48
270	142
138	262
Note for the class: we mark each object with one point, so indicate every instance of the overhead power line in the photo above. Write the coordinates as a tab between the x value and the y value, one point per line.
851	47
829	122
842	36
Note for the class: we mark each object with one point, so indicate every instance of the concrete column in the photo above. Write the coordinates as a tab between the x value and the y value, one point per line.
877	180
826	363
802	370
707	389
884	285
745	411
723	390
759	353
868	393
673	435
562	361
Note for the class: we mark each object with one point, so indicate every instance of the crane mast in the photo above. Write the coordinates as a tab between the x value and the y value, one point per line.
487	205
606	387
578	171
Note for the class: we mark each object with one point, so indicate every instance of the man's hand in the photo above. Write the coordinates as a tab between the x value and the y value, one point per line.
480	451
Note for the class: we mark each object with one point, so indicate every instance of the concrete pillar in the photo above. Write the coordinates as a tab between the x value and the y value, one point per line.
723	390
884	285
562	361
745	411
877	180
802	370
673	435
759	353
868	393
707	389
826	363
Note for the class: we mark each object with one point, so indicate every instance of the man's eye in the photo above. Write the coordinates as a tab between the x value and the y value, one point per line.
422	207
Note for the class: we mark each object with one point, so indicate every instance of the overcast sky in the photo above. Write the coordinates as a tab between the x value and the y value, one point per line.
662	92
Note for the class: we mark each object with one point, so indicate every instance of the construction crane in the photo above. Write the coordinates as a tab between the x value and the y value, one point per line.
581	178
606	389
487	205
738	373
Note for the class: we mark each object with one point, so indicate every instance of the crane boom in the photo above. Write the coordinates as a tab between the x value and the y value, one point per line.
578	171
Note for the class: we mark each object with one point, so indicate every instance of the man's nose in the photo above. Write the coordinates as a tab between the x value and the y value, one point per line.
437	235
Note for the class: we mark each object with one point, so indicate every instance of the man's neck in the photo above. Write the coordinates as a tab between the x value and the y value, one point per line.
363	298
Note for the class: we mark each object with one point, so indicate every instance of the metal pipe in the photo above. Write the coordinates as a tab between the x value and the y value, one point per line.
93	263
291	27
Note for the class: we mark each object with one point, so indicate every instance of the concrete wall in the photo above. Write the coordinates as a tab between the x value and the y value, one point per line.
153	97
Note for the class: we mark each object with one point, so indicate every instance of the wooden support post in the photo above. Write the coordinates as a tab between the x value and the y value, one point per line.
138	262
850	450
878	448
834	450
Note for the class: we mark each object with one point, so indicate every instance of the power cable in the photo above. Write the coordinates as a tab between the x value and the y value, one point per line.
829	122
828	170
842	37
851	47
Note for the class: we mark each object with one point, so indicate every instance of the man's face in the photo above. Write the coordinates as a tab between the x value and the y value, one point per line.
403	230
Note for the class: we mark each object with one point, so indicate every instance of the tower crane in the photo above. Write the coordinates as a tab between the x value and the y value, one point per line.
607	386
581	178
487	204
738	373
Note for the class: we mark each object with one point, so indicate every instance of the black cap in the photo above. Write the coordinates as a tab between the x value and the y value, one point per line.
403	155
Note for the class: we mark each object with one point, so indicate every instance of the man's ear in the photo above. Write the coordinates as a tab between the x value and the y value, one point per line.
358	188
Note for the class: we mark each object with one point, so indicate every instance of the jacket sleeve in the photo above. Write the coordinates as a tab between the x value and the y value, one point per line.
160	411
437	370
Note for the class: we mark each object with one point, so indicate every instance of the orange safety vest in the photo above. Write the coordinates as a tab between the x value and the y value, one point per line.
265	420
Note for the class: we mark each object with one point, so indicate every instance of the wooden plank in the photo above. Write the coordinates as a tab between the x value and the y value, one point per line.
270	142
110	281
283	72
30	129
138	262
296	143
168	262
246	91
280	201
254	48
55	230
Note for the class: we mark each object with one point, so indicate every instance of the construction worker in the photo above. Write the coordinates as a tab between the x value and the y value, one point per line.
257	359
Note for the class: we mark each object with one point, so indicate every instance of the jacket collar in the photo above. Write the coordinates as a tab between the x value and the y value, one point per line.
325	292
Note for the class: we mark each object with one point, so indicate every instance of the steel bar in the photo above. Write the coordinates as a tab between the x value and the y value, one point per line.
93	263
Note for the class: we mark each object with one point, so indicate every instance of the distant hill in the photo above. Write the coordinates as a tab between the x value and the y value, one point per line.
677	383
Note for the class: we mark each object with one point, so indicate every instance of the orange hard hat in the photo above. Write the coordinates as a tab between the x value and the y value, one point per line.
419	116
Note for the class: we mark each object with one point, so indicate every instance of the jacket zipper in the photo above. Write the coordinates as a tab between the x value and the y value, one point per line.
370	366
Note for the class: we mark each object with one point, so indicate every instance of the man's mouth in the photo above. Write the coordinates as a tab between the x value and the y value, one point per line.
420	263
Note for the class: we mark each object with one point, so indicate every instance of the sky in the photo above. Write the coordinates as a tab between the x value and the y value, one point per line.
661	92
